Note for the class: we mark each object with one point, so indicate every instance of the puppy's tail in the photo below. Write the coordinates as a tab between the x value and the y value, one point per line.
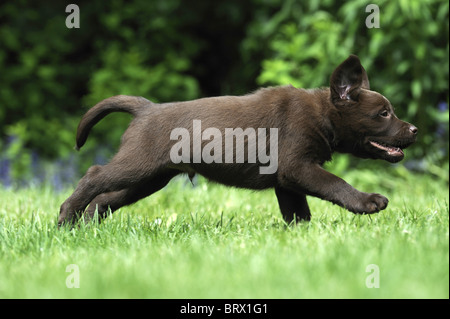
118	103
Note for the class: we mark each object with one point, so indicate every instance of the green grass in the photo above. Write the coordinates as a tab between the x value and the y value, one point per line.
210	241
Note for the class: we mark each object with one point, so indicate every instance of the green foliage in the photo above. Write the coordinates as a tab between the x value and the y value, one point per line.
406	59
176	50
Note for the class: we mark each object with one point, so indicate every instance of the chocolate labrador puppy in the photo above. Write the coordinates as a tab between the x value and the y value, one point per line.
227	139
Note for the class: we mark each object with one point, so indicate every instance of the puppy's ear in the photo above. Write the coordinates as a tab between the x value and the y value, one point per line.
347	81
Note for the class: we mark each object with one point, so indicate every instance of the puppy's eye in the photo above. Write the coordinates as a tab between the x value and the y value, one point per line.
384	113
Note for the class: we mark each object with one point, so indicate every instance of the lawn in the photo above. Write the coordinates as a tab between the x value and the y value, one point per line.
209	241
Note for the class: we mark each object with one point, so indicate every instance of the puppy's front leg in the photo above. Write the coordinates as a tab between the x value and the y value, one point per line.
312	179
292	205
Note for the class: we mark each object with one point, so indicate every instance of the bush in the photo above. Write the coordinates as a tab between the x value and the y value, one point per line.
406	59
176	50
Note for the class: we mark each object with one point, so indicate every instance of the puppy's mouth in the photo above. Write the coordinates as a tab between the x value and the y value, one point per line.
390	153
390	150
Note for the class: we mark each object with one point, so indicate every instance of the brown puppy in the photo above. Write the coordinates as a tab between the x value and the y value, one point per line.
300	129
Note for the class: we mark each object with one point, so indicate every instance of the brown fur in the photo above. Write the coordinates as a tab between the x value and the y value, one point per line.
312	124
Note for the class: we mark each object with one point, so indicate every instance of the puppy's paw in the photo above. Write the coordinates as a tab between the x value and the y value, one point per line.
373	203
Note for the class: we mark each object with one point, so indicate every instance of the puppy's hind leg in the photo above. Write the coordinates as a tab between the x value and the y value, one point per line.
114	200
114	176
292	205
73	207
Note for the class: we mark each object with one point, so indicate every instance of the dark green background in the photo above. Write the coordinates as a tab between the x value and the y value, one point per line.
173	50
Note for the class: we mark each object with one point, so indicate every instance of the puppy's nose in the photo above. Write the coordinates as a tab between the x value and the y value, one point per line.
413	129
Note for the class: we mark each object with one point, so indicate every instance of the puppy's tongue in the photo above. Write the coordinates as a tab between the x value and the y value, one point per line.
395	151
392	151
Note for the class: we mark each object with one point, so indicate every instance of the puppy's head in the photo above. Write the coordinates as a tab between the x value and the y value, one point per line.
366	124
